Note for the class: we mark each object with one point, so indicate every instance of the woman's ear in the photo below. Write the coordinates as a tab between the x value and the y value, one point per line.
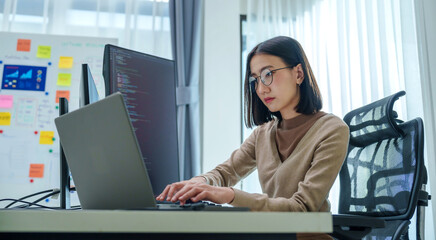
300	74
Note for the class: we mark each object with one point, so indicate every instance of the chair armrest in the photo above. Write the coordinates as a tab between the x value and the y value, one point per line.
423	198
349	227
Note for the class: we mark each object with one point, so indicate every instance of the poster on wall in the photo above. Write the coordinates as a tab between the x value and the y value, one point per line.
36	70
19	77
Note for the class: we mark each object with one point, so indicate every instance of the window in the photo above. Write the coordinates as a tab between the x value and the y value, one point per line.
250	183
142	25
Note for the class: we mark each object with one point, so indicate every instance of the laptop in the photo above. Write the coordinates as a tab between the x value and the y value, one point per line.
105	159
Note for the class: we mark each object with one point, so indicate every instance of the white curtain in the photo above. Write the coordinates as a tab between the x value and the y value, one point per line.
141	25
360	51
424	11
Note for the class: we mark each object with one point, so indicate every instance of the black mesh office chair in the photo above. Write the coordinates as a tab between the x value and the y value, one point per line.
383	177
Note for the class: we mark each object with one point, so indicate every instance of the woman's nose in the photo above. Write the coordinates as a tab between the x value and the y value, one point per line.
261	88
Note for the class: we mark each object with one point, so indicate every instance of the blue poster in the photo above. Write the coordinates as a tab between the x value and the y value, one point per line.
19	77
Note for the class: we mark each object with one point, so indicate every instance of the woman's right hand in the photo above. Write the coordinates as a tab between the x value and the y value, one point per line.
171	189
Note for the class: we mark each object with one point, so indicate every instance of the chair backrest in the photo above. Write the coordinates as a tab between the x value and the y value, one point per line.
383	170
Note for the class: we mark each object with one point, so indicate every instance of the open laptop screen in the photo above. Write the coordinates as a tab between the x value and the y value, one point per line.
104	156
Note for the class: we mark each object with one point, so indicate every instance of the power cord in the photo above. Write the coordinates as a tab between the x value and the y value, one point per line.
50	192
57	191
28	203
31	195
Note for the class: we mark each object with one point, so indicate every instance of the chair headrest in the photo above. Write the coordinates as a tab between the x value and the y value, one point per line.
374	122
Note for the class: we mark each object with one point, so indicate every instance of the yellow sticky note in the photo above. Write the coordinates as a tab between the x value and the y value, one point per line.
46	137
65	62
43	52
36	170
5	118
64	79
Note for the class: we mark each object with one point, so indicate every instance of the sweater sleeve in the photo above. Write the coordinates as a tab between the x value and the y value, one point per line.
240	164
329	152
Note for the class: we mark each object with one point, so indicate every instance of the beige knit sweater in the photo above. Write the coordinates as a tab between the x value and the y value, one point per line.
300	183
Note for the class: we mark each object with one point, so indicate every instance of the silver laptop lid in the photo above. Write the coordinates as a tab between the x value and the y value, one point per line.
104	156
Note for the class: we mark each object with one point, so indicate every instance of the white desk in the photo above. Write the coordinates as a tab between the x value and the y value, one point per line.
161	225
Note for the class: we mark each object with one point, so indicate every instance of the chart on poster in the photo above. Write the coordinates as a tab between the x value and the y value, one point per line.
36	70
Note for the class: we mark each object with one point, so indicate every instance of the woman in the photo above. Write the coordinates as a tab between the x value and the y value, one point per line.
297	149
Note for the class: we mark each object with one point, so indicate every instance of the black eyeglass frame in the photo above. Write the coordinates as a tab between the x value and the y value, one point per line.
252	79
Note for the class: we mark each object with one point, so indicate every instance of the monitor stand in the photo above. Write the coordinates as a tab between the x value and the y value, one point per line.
65	202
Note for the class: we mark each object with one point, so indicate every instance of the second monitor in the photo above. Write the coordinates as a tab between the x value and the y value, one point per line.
88	90
148	85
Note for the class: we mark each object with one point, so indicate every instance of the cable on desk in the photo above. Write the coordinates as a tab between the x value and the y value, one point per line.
28	203
57	191
50	191
28	196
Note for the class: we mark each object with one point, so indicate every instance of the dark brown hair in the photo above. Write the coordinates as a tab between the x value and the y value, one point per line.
292	54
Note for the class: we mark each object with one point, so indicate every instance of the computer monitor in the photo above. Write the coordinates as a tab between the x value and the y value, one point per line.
148	85
88	91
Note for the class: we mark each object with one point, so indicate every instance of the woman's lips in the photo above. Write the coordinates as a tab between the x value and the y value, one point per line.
268	99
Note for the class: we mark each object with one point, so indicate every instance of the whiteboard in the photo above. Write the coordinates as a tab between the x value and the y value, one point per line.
35	70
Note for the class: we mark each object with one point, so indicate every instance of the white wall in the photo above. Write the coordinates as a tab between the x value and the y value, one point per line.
221	89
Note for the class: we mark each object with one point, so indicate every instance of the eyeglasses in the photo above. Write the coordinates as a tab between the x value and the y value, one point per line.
266	77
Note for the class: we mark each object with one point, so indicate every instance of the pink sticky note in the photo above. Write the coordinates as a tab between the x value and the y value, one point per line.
6	101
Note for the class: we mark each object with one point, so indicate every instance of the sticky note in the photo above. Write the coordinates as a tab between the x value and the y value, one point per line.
46	137
65	62
5	118
43	52
36	170
6	101
23	45
64	79
64	94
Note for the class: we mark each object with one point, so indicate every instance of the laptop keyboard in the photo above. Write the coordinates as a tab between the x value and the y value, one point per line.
197	206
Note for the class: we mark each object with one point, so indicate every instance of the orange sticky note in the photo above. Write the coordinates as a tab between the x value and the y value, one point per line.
23	45
46	137
64	79
65	62
62	93
36	170
43	52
